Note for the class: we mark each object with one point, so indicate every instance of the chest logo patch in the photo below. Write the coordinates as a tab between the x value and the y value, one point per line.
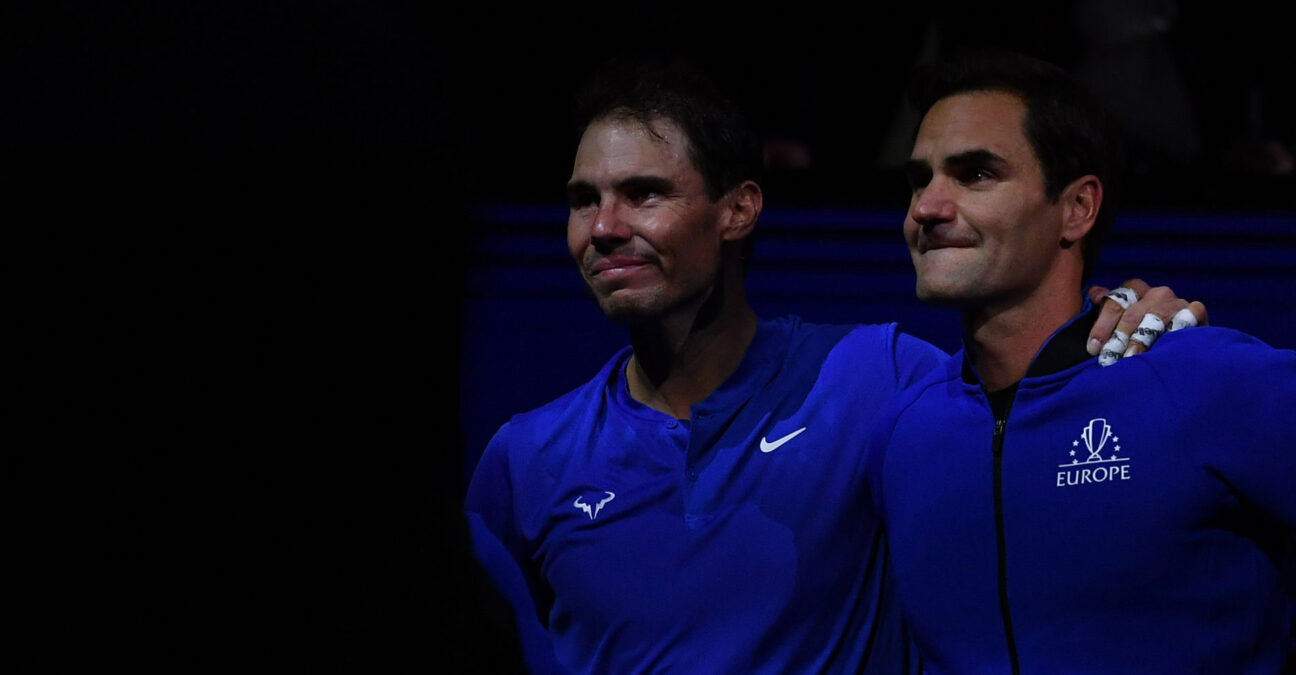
593	511
771	446
1098	461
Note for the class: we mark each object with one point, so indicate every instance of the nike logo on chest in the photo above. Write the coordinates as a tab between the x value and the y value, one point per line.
771	446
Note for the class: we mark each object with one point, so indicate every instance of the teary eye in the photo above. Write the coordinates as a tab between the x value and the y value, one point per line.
974	174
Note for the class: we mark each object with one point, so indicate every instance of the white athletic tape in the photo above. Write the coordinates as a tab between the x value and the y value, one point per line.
1149	329
1114	349
1184	318
1124	296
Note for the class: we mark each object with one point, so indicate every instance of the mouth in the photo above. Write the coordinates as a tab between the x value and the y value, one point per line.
616	265
939	242
928	247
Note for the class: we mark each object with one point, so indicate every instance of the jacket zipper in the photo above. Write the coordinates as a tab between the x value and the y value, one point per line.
1000	540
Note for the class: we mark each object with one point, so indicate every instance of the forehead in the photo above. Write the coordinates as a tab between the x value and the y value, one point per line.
613	148
979	120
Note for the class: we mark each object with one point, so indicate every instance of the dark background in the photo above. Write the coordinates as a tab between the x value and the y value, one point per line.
263	256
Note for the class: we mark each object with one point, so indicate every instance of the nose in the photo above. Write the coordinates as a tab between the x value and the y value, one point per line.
610	226
933	204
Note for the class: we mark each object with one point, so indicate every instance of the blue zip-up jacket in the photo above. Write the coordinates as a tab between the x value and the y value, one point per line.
1134	518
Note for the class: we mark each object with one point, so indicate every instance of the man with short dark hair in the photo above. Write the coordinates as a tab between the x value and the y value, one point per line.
700	504
1045	514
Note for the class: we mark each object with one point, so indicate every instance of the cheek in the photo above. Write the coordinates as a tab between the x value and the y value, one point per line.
910	231
1035	234
702	246
577	239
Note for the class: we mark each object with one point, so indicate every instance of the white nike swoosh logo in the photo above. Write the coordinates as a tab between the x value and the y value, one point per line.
766	446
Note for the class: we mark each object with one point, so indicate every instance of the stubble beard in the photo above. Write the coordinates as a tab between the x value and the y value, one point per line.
650	307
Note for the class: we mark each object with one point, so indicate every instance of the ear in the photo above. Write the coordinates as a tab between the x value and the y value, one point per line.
743	207
1081	201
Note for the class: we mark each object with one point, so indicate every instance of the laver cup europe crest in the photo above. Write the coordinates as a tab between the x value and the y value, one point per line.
1099	430
1098	438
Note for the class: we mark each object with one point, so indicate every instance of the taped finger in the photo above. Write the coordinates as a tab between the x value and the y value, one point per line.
1184	318
1149	329
1114	349
1124	296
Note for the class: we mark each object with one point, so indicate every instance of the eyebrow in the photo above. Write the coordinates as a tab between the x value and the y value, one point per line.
578	187
624	185
916	166
645	184
978	157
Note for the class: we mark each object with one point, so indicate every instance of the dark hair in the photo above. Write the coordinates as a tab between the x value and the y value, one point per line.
723	146
1070	131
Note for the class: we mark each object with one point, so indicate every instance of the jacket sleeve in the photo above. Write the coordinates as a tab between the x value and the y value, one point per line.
499	547
1242	398
915	358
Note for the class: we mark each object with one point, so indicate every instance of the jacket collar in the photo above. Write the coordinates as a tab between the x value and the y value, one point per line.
1067	347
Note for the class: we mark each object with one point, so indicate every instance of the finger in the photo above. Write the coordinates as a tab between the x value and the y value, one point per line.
1160	301
1127	322
1199	310
1097	293
1113	308
1114	349
1137	285
1131	322
1157	311
1192	315
1147	332
1124	296
1121	316
1184	318
1195	314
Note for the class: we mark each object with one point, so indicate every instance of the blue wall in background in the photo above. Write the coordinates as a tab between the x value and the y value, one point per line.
530	332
